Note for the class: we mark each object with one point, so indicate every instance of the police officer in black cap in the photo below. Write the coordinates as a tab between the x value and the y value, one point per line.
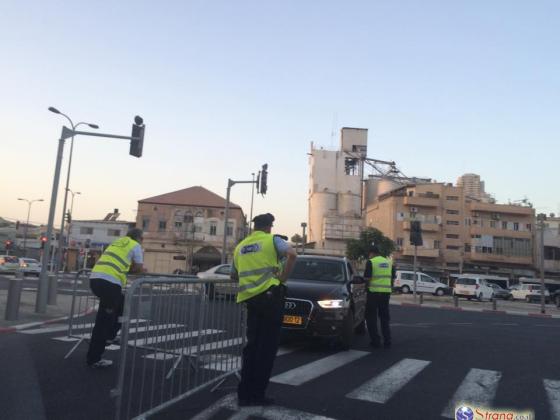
256	264
379	273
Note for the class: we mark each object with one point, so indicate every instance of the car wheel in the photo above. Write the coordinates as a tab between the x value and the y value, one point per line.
439	292
347	334
361	328
528	299
479	298
405	290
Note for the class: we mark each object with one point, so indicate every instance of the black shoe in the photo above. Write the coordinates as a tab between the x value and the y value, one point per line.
262	401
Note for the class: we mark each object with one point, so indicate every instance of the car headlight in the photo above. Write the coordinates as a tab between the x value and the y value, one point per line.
331	304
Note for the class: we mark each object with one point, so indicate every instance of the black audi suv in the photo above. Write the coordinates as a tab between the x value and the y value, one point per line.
325	298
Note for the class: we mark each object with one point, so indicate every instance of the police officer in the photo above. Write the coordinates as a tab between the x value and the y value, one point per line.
379	272
107	279
261	288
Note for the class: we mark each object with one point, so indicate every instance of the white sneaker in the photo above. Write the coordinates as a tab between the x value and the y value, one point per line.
103	363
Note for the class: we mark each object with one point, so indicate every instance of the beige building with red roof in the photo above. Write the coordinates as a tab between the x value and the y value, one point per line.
183	230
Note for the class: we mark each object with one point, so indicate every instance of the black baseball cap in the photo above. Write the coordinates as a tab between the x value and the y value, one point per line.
263	220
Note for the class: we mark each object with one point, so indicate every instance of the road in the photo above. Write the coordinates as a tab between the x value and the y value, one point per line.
438	357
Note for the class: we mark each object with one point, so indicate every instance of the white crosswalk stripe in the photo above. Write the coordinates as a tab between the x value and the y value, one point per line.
150	328
170	337
478	389
318	368
552	389
58	328
381	388
191	350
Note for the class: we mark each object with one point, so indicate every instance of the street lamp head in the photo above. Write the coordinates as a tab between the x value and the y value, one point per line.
94	126
138	120
21	199
77	192
53	109
40	199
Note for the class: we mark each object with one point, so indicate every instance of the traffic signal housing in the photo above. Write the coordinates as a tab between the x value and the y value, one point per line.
416	233
137	140
262	184
8	244
68	217
43	241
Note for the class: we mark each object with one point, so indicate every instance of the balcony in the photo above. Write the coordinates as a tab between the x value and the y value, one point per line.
502	209
422	252
477	230
497	258
422	201
426	227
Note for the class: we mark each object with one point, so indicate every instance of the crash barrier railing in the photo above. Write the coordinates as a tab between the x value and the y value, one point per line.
179	336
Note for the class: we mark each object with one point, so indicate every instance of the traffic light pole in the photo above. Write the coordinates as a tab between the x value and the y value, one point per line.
231	183
42	291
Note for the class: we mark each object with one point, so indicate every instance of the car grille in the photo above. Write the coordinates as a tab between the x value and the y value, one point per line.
298	307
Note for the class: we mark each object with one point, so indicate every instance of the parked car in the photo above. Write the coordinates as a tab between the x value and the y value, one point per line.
555	297
325	298
29	266
473	288
216	289
530	293
404	281
8	264
500	292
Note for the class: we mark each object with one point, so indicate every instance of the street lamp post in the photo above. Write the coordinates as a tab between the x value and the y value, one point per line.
64	266
303	238
29	202
541	217
62	240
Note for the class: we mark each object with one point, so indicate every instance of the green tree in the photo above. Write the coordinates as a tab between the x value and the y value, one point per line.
296	239
357	249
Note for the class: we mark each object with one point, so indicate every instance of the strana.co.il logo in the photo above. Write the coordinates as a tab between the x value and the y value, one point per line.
464	413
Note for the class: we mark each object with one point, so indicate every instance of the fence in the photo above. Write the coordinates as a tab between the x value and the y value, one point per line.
179	335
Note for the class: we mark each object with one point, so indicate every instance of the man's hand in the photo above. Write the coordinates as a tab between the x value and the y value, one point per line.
291	260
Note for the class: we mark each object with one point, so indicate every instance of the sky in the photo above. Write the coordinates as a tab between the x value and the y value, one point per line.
444	88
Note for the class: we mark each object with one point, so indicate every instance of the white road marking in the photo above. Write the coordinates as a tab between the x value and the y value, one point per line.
552	389
223	362
506	324
286	350
131	331
64	327
318	368
381	388
173	353
461	324
272	412
478	389
171	337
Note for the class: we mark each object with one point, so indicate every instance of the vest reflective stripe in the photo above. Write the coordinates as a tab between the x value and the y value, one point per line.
115	261
256	262
381	274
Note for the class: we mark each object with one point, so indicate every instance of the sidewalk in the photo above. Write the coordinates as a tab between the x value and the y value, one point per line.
27	315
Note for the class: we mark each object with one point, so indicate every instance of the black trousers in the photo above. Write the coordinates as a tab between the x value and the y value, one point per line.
378	304
107	325
264	321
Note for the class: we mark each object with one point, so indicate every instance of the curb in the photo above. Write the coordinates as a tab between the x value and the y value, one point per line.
481	310
21	327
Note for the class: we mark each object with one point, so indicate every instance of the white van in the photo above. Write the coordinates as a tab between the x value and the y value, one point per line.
404	281
473	288
530	293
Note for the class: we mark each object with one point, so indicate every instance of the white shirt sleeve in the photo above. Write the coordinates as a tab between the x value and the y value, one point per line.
136	255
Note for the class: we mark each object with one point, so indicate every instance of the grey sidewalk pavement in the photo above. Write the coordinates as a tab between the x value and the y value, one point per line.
27	312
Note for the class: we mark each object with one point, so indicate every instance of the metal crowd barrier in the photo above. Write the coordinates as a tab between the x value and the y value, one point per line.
179	336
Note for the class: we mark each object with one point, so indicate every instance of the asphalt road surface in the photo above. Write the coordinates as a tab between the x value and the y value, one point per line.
439	358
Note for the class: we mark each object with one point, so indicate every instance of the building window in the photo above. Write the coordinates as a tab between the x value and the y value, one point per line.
213	228
453	222
453	247
86	231
178	225
411	193
400	241
230	229
162	226
452	198
467	247
188	218
452	236
516	226
113	232
492	224
504	225
198	228
529	227
449	211
145	223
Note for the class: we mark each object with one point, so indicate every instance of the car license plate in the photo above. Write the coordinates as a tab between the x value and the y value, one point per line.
289	319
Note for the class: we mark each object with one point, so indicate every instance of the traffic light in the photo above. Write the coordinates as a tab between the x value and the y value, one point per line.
262	186
416	233
137	141
17	225
43	241
68	217
8	244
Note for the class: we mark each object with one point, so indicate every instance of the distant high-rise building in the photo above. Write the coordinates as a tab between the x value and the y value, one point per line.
473	187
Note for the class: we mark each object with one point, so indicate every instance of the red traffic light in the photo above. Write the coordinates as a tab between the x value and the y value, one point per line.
8	243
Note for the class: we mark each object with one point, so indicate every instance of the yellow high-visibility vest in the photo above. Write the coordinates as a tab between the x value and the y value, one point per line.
256	261
115	261
381	272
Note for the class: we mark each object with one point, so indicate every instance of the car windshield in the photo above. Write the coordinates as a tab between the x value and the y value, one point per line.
466	281
11	259
319	270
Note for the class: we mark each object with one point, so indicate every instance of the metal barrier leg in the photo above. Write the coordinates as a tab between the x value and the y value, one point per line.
494	304
421	298
456	301
53	290
14	299
74	348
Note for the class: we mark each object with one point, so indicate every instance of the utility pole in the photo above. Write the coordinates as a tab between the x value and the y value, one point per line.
416	240
542	225
303	239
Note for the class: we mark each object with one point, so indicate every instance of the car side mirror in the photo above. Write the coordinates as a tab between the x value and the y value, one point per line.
358	280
